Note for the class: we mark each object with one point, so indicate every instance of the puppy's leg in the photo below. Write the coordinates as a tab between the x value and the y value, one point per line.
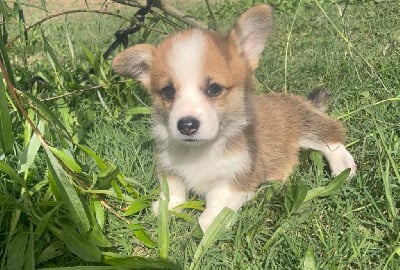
326	135
339	158
177	193
220	196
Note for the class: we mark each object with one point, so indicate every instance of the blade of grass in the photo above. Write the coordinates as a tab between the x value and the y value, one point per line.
388	151
385	172
216	228
309	260
31	149
6	133
163	232
70	46
327	190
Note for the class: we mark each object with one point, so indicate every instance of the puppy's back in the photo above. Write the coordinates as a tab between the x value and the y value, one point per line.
281	122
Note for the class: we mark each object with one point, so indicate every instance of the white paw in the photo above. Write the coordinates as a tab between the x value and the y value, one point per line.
206	218
340	159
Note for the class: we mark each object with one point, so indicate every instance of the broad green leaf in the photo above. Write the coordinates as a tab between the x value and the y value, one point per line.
136	206
117	189
127	184
143	237
135	262
163	232
96	234
309	260
30	251
31	150
6	133
80	245
11	172
100	163
216	228
66	159
191	204
51	55
66	115
16	250
98	211
329	189
9	201
53	250
67	193
44	220
295	195
106	176
47	113
187	217
97	237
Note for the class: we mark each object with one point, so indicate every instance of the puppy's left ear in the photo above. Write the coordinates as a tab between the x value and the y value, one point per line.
135	62
251	32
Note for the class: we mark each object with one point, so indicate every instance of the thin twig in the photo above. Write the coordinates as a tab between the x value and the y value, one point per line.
76	92
112	210
27	28
168	9
287	46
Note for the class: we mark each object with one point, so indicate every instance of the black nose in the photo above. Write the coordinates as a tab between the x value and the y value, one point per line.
188	125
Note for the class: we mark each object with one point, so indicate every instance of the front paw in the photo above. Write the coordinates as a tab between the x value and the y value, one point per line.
341	160
205	220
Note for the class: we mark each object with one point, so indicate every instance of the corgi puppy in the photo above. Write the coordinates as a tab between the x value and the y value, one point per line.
214	136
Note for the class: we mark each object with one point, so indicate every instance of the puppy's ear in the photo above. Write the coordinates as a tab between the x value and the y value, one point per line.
251	31
135	62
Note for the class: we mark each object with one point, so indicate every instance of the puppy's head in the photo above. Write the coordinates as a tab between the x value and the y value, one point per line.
198	79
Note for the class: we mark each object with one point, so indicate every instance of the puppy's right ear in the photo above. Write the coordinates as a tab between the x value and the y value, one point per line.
251	32
135	62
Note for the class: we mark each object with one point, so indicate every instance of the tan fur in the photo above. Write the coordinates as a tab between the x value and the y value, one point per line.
257	138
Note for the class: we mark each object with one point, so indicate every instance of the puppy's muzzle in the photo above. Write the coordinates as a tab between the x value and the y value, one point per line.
188	125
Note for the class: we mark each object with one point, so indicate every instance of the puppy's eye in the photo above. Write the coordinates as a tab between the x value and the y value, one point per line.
168	92
214	90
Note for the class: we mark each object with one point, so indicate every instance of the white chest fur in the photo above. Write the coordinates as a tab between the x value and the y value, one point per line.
203	167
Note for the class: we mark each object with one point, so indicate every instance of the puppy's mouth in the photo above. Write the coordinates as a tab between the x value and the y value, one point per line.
192	141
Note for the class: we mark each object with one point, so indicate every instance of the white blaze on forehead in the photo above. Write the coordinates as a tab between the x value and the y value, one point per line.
186	58
186	61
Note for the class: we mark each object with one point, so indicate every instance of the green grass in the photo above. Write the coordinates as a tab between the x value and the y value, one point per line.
356	56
